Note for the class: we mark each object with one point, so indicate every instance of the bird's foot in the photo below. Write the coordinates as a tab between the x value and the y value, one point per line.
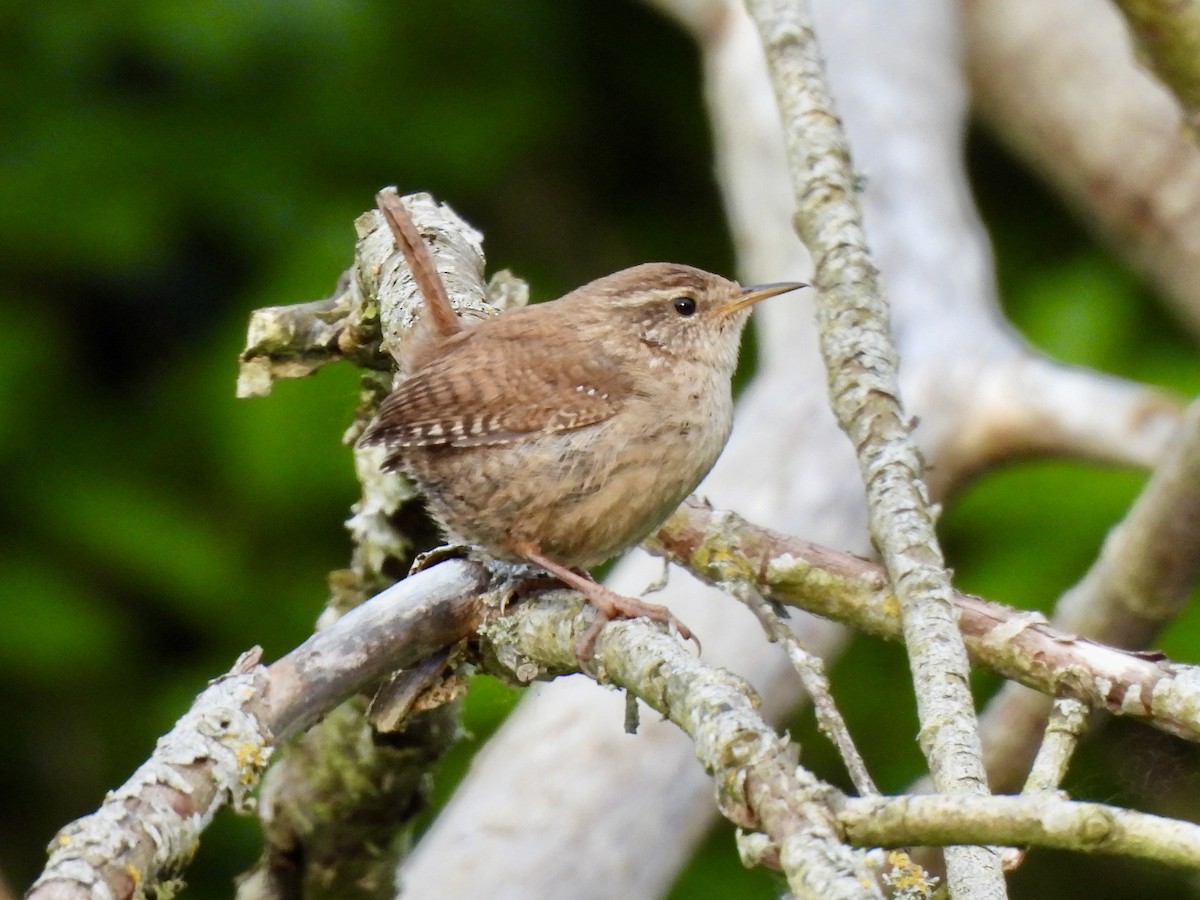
609	605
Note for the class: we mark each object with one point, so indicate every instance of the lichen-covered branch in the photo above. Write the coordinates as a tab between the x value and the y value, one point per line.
332	817
376	309
721	547
860	358
320	834
1066	724
1142	579
147	830
759	785
1044	820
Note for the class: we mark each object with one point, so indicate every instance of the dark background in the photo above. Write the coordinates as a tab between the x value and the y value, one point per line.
166	168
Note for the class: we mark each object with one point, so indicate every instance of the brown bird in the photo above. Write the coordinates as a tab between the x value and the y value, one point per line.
563	433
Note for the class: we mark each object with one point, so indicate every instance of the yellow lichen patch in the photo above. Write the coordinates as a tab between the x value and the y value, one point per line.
718	560
907	879
251	759
791	575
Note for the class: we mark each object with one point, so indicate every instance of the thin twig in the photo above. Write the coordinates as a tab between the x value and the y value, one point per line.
1067	723
811	670
860	359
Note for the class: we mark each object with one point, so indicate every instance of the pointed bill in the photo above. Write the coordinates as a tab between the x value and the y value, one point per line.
756	292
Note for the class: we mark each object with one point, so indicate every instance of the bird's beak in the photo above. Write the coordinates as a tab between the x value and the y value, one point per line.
756	292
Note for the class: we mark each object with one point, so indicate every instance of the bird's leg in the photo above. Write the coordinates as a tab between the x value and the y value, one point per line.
609	604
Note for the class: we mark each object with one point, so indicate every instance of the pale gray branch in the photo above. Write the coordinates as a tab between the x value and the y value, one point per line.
398	627
375	298
1142	579
1150	561
860	358
722	548
147	829
1066	724
1045	820
758	782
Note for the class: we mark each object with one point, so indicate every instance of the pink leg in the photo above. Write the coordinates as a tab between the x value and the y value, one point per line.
609	604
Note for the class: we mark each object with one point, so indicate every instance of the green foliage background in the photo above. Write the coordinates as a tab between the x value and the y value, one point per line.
166	167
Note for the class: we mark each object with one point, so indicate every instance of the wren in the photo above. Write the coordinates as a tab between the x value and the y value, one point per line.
563	433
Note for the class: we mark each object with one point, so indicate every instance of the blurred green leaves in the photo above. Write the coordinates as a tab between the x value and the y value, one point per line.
39	597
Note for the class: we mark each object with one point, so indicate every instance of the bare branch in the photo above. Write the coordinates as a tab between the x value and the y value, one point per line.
758	783
400	626
1019	405
1068	718
1067	722
758	786
377	297
147	829
1150	561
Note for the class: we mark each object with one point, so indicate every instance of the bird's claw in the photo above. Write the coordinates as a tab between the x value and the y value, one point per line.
609	606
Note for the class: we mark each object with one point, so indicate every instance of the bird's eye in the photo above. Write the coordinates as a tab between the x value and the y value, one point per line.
685	306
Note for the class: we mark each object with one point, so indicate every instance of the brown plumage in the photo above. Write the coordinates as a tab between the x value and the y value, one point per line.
565	432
